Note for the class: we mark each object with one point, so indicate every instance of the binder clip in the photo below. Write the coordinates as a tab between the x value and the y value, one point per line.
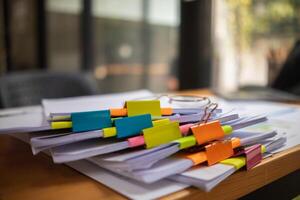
218	151
208	131
253	155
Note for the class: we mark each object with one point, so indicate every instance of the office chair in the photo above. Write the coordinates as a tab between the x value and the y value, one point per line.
29	88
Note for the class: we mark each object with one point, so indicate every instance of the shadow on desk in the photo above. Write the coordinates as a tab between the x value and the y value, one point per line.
284	188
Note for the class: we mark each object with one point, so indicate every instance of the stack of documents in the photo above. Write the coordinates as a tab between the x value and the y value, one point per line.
148	147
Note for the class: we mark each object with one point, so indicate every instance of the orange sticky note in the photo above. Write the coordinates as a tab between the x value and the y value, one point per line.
198	157
118	112
166	111
235	142
208	132
218	151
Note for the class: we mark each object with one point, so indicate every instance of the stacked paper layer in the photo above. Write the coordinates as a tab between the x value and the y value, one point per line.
149	169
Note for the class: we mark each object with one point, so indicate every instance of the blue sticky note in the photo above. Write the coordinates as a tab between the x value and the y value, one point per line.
88	121
130	126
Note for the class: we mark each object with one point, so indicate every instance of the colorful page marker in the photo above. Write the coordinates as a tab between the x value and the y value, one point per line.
143	107
136	141
186	142
197	158
109	132
163	134
130	126
88	121
237	162
112	131
118	112
61	125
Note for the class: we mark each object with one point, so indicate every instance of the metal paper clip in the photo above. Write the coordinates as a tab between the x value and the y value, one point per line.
181	100
209	109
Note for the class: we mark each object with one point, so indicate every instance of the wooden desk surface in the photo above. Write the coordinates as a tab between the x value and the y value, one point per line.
24	176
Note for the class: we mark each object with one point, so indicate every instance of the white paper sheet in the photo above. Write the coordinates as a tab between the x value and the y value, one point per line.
90	103
205	177
130	188
283	118
126	186
23	119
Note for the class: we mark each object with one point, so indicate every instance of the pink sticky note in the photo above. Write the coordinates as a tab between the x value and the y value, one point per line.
184	129
136	141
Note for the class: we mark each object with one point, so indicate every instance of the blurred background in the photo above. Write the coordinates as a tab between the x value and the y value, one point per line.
159	45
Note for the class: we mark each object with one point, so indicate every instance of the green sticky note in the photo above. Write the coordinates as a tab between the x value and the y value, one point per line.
151	107
186	142
237	162
163	134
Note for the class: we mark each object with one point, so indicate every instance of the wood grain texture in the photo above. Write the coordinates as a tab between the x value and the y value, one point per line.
24	176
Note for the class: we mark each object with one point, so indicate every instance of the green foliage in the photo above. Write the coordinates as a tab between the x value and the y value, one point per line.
254	19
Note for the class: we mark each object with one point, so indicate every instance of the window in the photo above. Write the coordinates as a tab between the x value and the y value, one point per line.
134	42
252	39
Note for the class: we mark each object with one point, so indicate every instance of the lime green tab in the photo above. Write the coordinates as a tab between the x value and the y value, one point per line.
186	142
237	162
161	122
113	119
61	125
61	118
109	132
227	129
143	107
163	134
263	149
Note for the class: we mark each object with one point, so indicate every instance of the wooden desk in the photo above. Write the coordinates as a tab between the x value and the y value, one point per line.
24	176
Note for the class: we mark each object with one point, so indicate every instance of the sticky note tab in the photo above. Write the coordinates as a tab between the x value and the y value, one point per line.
118	112
208	132
218	151
151	107
237	162
158	135
197	158
235	142
186	142
184	129
136	141
61	125
263	149
227	129
161	122
130	126
93	120
166	111
109	132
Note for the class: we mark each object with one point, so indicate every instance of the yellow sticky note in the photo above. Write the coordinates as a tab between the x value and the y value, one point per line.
237	162
163	134
263	149
161	122
109	132
61	125
151	107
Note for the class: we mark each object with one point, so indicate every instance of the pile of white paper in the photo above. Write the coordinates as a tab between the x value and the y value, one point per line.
148	170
